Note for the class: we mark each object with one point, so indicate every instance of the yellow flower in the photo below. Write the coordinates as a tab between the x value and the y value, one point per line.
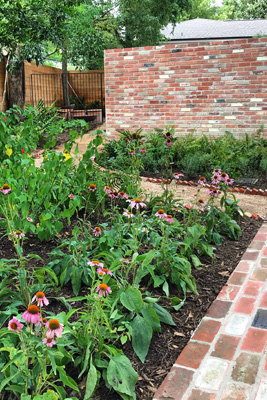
9	152
67	155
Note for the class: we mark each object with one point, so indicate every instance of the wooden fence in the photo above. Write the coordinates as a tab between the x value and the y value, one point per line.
52	91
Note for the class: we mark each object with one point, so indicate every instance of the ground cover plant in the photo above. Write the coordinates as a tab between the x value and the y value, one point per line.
194	156
119	262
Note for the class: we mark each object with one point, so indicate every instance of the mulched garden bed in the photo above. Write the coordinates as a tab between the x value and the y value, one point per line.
167	345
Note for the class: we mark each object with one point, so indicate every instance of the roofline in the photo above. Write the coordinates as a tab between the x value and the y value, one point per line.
208	39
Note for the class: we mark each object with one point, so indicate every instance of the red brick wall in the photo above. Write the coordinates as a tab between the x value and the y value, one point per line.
206	87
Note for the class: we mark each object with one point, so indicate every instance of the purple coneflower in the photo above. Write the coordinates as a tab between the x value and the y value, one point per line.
55	328
224	176
92	187
177	175
229	181
95	263
104	271
103	289
142	150
49	342
168	142
41	299
217	171
161	214
107	189
6	189
97	231
215	179
32	314
123	195
71	196
29	219
136	203
202	180
15	325
169	218
128	214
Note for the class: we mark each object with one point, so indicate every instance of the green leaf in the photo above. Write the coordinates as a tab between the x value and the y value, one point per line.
132	299
58	226
49	395
141	336
67	380
76	279
163	315
91	383
121	375
165	288
150	316
5	381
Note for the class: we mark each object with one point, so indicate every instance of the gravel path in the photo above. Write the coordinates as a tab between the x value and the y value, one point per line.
250	204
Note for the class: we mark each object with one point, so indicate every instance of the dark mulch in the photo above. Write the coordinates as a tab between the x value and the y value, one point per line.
167	345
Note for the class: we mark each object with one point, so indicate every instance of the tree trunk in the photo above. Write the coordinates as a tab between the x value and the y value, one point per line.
66	98
16	85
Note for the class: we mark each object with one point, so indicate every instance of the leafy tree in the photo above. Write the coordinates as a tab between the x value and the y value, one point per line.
203	9
243	9
25	28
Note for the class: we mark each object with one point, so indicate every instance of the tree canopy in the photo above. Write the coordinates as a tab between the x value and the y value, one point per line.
243	9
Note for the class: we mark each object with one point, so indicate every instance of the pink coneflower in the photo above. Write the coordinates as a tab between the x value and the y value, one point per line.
142	150
128	214
202	180
55	328
41	299
132	152
136	203
29	219
71	196
43	322
168	142
169	218
104	271
125	260
177	175
215	179
32	314
49	342
229	181
92	187
107	189
97	231
168	135
213	192
103	289
177	209
123	195
95	263
224	176
161	214
15	325
217	171
6	189
201	202
17	234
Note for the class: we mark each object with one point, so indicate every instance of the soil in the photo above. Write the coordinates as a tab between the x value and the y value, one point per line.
167	345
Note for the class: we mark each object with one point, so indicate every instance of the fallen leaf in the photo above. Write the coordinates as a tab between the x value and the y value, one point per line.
190	315
179	334
152	389
224	273
175	347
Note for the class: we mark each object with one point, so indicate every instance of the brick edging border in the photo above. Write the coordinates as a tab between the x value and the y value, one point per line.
253	191
216	362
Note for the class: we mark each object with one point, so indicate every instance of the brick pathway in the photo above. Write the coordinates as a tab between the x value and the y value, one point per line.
226	358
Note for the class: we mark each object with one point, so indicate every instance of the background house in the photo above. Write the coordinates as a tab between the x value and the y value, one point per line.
209	29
